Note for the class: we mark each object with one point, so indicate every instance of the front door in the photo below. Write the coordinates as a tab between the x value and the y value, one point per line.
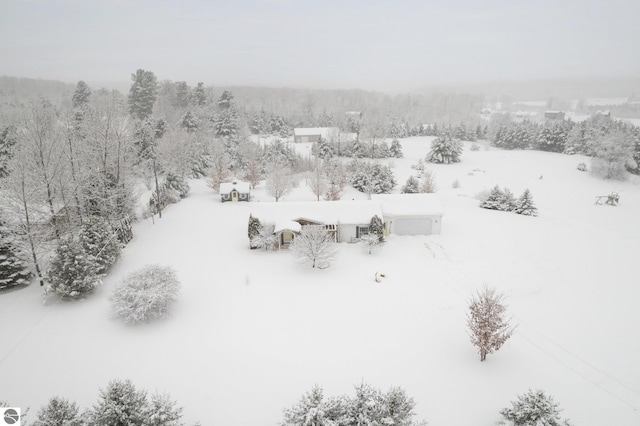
234	195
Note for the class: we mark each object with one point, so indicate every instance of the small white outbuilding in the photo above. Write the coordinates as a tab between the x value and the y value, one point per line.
235	191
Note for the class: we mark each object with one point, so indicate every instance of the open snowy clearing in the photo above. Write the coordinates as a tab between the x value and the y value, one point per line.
253	330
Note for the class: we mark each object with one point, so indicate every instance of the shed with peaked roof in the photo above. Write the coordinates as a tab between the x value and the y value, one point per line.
235	191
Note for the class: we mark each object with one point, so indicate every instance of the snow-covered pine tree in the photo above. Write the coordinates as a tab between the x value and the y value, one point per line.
163	411
266	238
8	138
59	412
100	242
72	272
198	96
314	245
395	149
190	122
146	294
508	202
81	96
253	230
13	270
412	186
224	101
489	329
177	183
445	150
524	205
532	409
120	404
313	409
376	227
493	201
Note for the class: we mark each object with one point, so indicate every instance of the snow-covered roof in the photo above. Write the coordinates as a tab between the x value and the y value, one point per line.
240	186
313	131
408	204
325	212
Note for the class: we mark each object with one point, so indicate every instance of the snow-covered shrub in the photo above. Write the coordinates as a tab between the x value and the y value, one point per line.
582	167
497	199
146	294
100	241
13	270
475	147
162	411
370	241
177	183
428	182
369	406
59	412
373	179
532	409
72	272
489	329
412	186
266	238
613	155
395	149
455	184
120	404
314	245
333	193
524	205
445	150
253	230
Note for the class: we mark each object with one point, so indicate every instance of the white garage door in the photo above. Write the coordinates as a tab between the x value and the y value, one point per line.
412	226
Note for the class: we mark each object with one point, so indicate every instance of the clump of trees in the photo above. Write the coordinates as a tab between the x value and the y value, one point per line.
119	403
423	182
532	409
146	294
504	200
369	406
445	150
13	270
489	327
371	178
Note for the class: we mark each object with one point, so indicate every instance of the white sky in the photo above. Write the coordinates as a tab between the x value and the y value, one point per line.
369	44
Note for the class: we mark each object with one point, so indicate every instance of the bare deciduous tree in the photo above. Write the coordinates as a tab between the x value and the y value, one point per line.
314	245
488	326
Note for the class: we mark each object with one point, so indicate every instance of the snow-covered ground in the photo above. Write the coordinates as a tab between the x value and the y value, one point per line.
253	330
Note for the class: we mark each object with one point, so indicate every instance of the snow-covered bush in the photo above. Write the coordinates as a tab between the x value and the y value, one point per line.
100	241
370	241
475	147
498	199
445	150
59	412
532	409
177	183
265	238
314	245
582	167
489	329
395	149
373	179
146	294
369	406
412	186
455	184
428	182
72	272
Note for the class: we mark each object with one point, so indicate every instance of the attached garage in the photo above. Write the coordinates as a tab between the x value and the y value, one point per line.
410	214
415	226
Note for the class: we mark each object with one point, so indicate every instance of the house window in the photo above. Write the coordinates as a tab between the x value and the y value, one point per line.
361	230
243	196
225	196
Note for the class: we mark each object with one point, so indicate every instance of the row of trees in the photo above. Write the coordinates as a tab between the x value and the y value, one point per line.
614	145
370	406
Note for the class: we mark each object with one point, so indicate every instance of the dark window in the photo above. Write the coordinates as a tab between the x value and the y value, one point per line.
361	230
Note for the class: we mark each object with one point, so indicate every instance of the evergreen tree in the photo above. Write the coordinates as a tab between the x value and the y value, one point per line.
142	94
72	272
13	271
445	150
81	96
524	205
121	404
396	149
182	95
226	123
376	227
190	122
8	139
100	241
224	101
253	229
59	412
532	409
324	149
199	97
163	411
489	329
412	186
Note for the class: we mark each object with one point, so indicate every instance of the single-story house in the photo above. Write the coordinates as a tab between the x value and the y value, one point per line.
410	214
235	191
313	134
554	115
347	221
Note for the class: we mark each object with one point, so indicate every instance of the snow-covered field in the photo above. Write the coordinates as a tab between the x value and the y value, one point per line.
253	330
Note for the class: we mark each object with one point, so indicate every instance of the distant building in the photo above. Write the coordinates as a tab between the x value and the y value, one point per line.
554	115
235	191
313	134
602	114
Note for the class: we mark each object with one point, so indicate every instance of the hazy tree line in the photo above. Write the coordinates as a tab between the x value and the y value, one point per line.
613	144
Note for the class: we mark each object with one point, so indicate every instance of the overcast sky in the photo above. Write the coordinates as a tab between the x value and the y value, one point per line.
382	45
